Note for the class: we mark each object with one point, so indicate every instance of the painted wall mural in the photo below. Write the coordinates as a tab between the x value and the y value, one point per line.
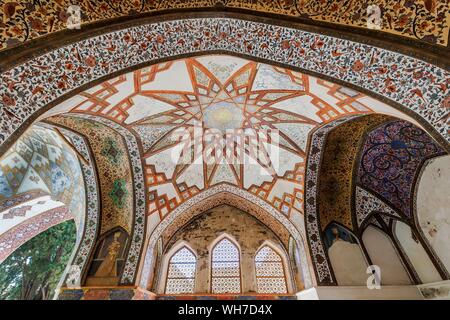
108	260
126	199
135	115
113	169
217	92
336	170
391	158
31	213
416	19
92	217
317	248
414	84
220	92
41	162
366	203
349	201
346	257
147	173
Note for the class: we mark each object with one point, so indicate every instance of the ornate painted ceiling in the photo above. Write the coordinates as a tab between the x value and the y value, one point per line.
402	81
41	185
183	135
42	163
177	136
182	112
425	20
390	161
336	171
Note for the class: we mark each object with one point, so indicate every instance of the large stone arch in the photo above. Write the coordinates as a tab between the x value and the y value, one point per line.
343	19
212	197
413	86
78	263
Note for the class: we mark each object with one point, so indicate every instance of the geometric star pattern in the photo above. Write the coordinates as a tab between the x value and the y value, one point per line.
217	119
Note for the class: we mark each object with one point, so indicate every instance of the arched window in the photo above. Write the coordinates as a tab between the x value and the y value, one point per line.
181	272
225	268
270	277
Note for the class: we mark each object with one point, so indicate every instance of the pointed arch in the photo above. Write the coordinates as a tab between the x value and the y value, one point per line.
347	257
383	253
219	35
239	198
413	248
180	267
271	269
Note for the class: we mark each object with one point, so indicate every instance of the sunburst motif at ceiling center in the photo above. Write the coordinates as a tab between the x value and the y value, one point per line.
222	94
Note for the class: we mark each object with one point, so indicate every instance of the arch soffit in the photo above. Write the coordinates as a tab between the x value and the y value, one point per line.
366	68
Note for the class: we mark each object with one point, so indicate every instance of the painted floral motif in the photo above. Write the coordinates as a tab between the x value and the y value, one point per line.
115	177
135	214
313	229
424	20
335	181
366	203
385	73
112	151
391	159
92	217
119	193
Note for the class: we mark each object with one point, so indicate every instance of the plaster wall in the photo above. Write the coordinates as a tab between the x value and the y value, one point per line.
383	254
416	254
433	206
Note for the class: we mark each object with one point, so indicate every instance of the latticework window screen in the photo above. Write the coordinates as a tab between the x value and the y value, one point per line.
270	277
226	270
181	272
